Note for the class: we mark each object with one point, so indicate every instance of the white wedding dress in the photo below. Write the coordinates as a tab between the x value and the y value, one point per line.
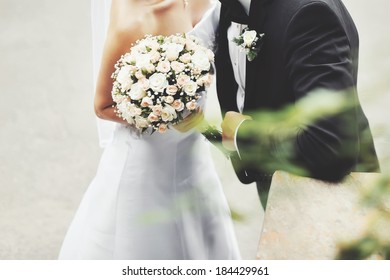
154	197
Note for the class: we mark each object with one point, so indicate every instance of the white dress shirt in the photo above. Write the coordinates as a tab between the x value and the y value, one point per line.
238	60
206	30
238	57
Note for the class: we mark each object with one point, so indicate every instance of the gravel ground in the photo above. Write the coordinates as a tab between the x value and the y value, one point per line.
49	148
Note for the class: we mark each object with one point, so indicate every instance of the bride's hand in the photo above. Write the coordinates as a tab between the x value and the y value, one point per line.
194	120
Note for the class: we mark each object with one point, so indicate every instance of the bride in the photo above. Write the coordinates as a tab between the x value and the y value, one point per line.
154	196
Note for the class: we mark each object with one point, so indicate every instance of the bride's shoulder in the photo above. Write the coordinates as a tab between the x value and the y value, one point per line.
125	16
131	14
198	8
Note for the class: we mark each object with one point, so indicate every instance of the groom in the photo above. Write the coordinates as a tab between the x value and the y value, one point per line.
307	46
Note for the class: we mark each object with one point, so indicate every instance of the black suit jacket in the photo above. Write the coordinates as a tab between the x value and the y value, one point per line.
308	45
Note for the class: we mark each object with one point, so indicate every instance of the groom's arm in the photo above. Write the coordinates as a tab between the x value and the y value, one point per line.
318	56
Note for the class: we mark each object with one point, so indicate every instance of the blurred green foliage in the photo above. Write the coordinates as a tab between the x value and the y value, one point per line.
283	124
375	241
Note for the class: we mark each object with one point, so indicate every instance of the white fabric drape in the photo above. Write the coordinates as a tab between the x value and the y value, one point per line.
100	12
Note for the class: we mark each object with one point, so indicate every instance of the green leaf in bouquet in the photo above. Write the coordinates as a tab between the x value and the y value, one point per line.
238	40
251	55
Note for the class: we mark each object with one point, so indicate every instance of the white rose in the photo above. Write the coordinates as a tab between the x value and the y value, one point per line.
191	105
133	110
178	39
124	78
143	61
155	56
139	75
202	80
145	45
133	69
173	51
157	109
205	80
130	120
201	60
190	44
122	107
177	66
126	85
144	83
172	90
196	72
178	105
153	45
168	113
182	79
150	68
118	98
140	47
129	58
162	128
173	39
164	66
158	82
249	36
137	92
152	117
185	58
190	88
169	99
141	122
146	102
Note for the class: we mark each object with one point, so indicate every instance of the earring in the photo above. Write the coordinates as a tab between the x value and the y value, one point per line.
185	3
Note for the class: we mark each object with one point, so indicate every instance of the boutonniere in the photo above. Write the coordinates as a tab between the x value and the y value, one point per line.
250	42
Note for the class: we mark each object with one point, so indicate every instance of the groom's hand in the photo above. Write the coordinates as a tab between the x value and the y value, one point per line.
229	127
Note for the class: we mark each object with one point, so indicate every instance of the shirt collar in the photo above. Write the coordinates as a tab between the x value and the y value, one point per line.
246	4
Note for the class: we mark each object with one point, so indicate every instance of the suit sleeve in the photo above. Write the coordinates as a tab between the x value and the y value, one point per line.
317	56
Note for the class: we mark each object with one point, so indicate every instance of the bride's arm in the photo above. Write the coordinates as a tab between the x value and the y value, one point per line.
103	102
118	41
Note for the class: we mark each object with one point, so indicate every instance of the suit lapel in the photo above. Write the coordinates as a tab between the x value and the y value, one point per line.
226	84
257	13
257	18
234	11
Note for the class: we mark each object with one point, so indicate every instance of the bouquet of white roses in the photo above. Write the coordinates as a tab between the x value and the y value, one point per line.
160	80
